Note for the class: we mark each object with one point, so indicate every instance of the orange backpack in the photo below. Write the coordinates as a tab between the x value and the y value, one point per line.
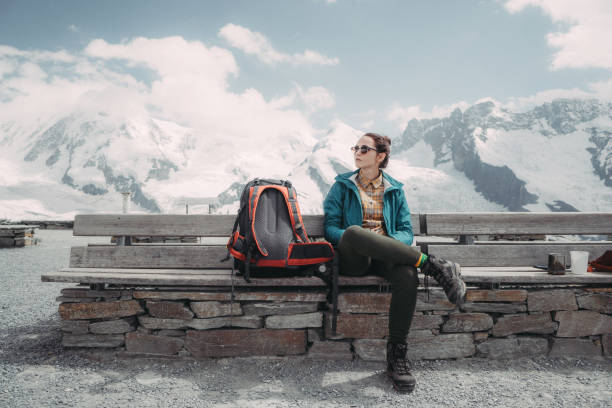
269	237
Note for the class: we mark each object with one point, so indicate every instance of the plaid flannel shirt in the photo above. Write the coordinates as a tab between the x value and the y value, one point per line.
371	193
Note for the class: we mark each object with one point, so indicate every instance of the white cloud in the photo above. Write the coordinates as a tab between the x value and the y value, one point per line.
602	89
73	28
37	55
255	43
316	98
6	67
189	87
402	115
586	43
523	103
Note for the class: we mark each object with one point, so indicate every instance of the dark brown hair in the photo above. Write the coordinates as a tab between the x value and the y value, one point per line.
383	145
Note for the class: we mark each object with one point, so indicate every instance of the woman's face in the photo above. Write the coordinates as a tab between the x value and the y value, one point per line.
371	159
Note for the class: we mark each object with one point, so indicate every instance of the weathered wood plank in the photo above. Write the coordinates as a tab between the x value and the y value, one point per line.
162	271
149	256
168	225
474	275
483	275
518	223
512	255
175	279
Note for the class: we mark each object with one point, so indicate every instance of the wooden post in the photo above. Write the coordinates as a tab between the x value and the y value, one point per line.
122	241
466	239
126	201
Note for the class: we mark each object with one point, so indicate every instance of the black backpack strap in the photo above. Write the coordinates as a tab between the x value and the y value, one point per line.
242	207
257	190
247	264
296	216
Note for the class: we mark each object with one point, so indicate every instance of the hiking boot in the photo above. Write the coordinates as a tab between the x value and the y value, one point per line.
398	368
448	274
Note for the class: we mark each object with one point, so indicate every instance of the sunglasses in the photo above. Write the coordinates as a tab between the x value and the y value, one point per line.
363	149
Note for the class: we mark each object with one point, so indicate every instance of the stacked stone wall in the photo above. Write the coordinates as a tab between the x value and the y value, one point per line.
504	323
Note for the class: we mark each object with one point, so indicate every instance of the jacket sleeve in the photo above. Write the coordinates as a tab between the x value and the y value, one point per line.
333	207
403	226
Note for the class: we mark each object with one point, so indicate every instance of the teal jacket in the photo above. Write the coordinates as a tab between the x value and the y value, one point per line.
342	208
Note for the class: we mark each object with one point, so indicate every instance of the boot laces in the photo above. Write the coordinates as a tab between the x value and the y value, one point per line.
401	364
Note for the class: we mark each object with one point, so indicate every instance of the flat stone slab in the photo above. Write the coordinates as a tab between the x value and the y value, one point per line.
574	347
493	307
458	345
215	309
420	348
168	310
151	344
330	350
513	347
149	322
242	343
599	302
583	323
365	326
539	323
368	302
100	310
201	324
434	299
77	300
549	300
375	349
88	293
296	321
75	326
606	343
92	340
314	335
113	326
238	296
468	322
371	349
279	308
501	295
250	322
364	302
171	333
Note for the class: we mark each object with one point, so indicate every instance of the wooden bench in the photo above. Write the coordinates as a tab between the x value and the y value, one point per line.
188	301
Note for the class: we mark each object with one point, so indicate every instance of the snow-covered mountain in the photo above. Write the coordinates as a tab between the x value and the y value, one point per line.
554	157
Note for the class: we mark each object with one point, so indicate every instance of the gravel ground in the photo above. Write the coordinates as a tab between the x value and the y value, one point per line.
35	371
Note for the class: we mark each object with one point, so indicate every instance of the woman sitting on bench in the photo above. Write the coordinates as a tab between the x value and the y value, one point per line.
367	218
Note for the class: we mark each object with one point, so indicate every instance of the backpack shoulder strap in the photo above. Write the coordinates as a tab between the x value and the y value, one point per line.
296	216
253	200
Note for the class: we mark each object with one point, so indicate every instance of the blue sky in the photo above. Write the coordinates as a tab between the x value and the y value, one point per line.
372	64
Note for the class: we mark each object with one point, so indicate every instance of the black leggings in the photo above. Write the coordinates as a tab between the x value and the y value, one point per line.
365	252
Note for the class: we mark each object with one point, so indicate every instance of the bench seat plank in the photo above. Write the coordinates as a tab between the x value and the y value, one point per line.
222	278
166	279
512	255
175	225
532	275
518	223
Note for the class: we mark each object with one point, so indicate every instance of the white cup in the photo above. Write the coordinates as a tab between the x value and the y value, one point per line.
580	259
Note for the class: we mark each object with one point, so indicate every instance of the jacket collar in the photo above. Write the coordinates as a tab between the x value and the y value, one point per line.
349	179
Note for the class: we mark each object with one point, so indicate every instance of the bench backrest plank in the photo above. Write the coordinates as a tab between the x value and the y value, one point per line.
518	223
512	255
171	225
150	256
